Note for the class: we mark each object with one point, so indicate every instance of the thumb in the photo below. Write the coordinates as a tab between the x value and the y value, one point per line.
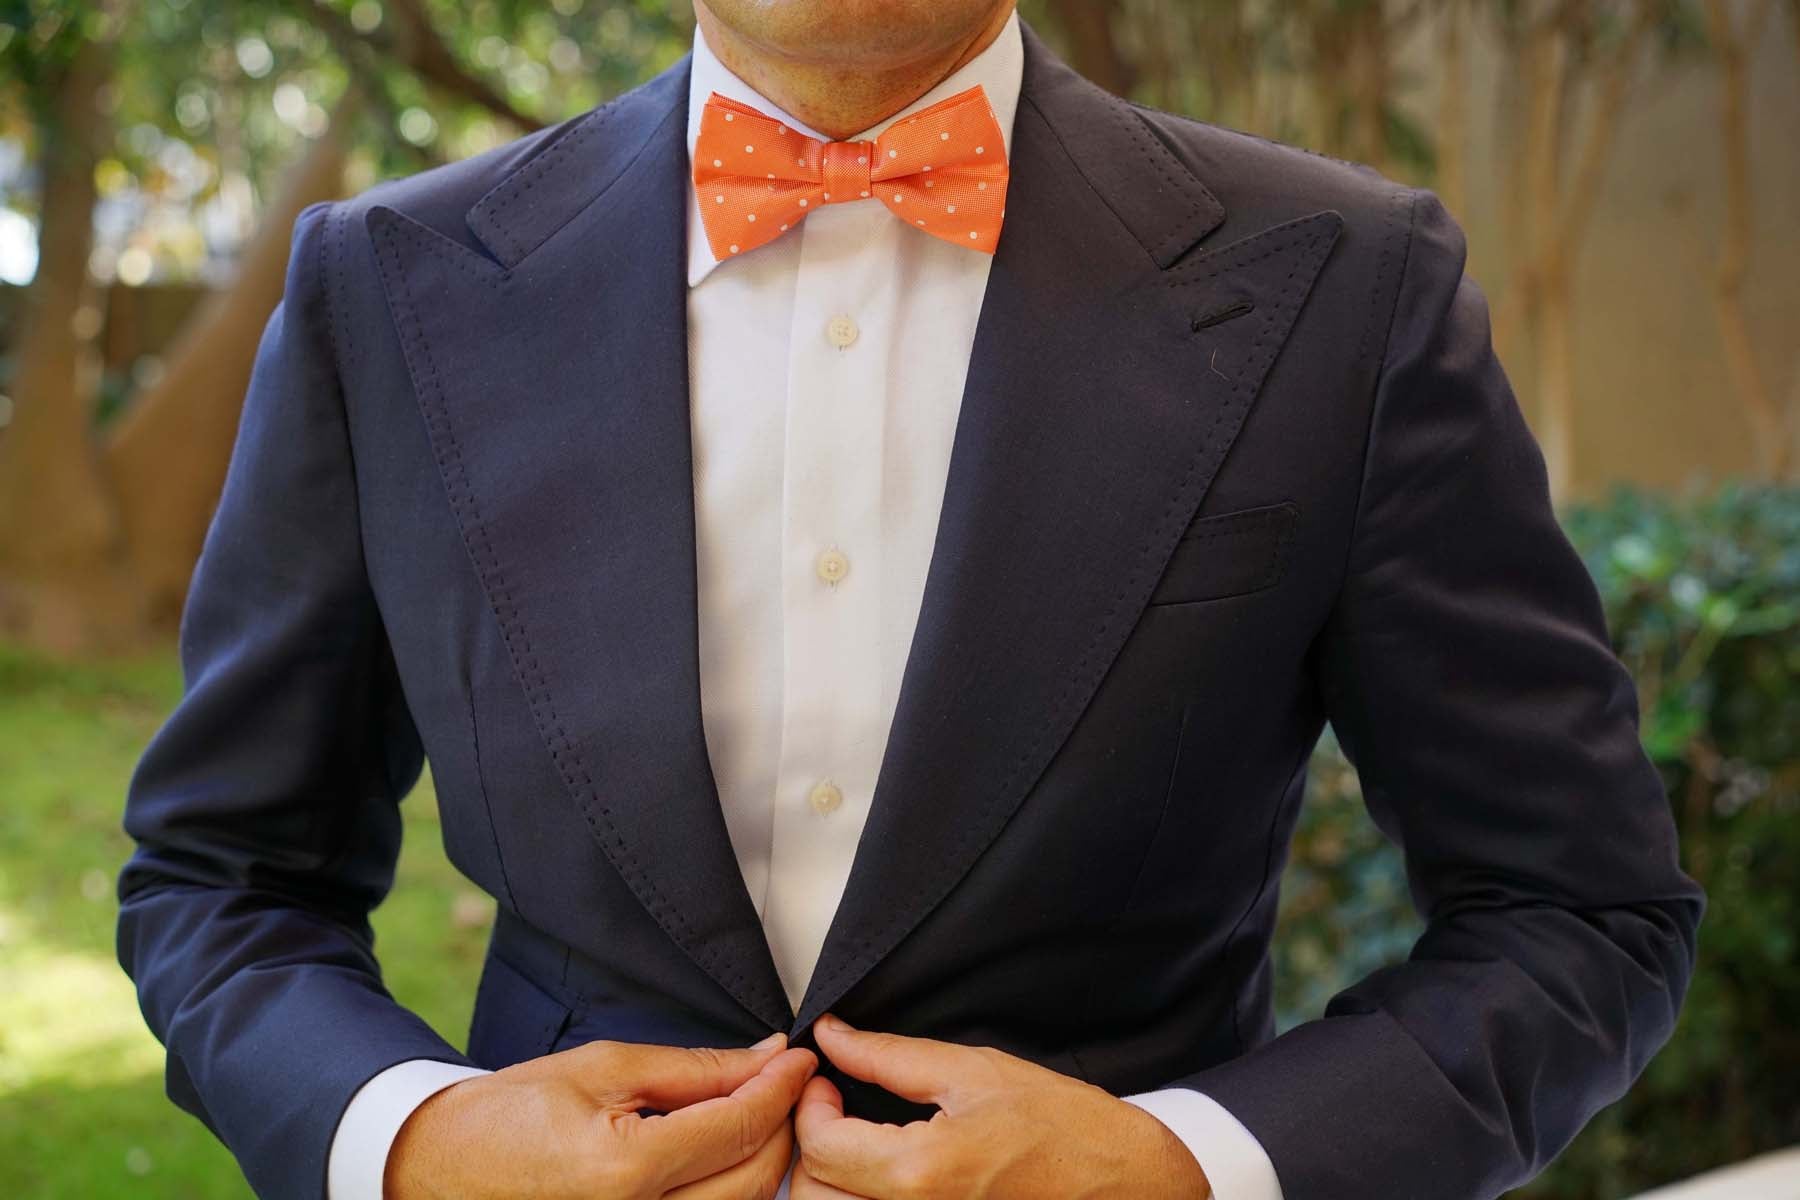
820	1101
666	1078
919	1069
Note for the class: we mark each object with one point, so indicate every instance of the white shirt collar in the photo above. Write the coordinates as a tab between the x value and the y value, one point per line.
998	69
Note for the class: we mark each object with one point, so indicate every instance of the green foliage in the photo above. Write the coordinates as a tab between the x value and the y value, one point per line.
1702	596
210	102
1344	906
82	1110
37	39
546	59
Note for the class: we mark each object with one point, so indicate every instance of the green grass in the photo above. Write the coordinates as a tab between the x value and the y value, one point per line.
82	1110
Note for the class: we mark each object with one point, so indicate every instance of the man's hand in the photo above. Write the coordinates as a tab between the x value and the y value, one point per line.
1008	1129
567	1125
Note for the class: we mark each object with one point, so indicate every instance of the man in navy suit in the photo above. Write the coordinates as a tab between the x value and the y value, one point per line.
867	529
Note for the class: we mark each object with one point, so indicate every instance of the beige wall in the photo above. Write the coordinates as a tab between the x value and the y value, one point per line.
1655	405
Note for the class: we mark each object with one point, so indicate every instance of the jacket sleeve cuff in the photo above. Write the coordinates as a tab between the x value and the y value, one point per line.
1235	1163
371	1121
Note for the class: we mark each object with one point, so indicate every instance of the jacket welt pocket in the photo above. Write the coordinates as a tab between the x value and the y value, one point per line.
1231	554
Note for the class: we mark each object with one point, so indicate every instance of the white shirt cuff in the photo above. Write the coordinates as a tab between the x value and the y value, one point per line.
366	1132
1234	1161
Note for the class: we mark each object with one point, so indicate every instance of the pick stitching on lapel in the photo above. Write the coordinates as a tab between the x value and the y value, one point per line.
1093	421
553	383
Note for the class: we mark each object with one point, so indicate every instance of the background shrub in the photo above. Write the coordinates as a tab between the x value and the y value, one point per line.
1702	596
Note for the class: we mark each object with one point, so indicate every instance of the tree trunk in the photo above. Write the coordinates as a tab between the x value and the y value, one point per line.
1603	123
1325	80
1518	96
1369	85
1453	109
1560	206
1768	425
167	456
1228	56
1555	360
63	583
1094	51
1546	285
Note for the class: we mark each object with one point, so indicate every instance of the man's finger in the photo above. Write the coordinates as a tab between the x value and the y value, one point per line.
823	1097
757	1177
671	1077
709	1136
849	1154
919	1069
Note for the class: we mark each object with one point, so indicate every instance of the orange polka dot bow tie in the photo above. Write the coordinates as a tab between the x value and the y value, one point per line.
943	170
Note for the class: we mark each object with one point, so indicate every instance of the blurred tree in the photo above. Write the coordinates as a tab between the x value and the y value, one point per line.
59	532
1770	424
1561	54
1321	73
1351	60
1093	46
1317	72
197	109
189	415
102	520
418	45
1452	129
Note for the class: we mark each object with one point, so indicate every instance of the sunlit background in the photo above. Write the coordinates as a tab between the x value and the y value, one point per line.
1628	172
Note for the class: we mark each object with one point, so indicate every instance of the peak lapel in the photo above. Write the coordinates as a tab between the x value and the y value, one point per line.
1097	409
553	381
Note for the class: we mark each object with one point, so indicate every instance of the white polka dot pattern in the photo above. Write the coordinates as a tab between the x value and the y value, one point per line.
752	178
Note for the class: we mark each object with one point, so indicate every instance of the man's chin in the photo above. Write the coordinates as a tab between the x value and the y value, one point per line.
874	34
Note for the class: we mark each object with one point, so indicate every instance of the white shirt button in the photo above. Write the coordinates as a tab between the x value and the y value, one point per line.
825	797
833	566
841	331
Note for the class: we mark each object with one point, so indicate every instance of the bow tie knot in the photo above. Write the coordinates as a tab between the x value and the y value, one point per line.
943	170
847	172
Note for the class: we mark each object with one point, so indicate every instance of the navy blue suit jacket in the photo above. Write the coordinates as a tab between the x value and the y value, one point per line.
1234	459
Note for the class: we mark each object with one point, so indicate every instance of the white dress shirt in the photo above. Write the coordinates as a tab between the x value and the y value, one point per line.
826	371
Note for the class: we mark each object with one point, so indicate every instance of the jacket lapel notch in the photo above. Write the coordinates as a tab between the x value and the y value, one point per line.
1152	192
555	395
574	165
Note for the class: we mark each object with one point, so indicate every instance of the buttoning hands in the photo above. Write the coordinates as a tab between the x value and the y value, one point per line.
1006	1129
569	1125
724	1123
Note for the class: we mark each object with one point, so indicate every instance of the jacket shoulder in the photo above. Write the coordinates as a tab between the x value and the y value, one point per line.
1261	182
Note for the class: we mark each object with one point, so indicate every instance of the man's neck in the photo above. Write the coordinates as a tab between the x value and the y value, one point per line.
839	100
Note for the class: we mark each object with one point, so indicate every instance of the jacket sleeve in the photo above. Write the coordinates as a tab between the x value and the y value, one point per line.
1466	669
265	810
